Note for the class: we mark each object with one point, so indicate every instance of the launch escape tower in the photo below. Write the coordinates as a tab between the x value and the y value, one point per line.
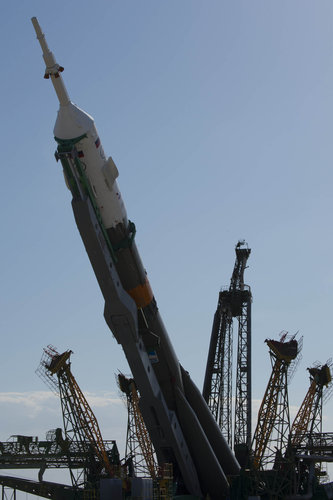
80	423
270	439
217	391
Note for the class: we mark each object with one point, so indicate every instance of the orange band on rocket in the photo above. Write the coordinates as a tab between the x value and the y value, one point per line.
141	294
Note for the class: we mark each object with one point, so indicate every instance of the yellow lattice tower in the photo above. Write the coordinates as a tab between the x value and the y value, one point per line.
273	414
59	365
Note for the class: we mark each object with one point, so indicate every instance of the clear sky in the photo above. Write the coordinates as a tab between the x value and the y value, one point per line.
218	115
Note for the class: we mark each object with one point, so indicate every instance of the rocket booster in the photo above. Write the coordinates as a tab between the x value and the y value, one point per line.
171	405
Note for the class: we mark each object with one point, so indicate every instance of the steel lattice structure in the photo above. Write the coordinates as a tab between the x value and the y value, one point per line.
308	420
80	423
139	453
270	439
28	452
218	381
243	407
217	391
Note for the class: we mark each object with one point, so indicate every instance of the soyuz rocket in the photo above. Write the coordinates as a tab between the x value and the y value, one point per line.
180	424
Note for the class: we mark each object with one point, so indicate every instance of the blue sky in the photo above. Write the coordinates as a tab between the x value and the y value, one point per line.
219	117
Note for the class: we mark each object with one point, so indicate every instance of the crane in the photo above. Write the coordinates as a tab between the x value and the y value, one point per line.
273	425
80	423
139	448
234	302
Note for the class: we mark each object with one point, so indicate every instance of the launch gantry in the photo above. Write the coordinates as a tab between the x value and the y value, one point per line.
217	391
308	445
80	423
308	420
139	453
273	426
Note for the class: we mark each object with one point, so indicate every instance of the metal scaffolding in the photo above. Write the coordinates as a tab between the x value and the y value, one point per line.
308	420
270	439
217	391
139	454
80	423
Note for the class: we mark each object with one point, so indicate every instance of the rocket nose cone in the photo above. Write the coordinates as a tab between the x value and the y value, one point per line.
72	122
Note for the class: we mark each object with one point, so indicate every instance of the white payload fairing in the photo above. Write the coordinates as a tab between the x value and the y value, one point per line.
179	422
